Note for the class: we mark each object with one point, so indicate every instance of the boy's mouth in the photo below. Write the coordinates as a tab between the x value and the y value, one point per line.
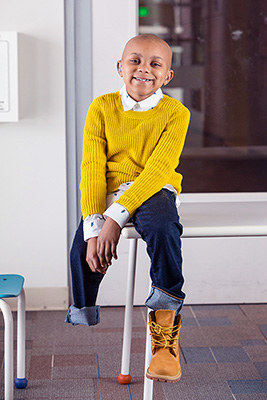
142	79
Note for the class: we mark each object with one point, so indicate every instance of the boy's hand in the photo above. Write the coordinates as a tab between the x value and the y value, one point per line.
92	257
101	249
107	242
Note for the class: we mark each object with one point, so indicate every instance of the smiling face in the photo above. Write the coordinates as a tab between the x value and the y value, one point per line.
145	66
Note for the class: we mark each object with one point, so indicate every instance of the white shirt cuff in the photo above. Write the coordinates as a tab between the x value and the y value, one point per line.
92	226
118	213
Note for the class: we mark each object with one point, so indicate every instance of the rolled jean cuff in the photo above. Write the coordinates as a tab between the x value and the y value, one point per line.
159	300
83	316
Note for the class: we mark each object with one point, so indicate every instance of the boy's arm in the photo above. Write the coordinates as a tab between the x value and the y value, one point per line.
94	190
161	164
93	168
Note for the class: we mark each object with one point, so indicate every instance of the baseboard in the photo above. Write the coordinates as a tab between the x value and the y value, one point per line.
44	298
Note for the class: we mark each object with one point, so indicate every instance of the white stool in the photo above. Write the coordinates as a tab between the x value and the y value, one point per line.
198	222
12	286
124	377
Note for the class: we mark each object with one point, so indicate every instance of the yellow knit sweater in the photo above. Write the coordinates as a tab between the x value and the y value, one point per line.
122	146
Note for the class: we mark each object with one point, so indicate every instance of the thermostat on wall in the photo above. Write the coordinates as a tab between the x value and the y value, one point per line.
9	110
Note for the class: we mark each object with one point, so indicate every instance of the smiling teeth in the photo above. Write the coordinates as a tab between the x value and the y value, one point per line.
143	80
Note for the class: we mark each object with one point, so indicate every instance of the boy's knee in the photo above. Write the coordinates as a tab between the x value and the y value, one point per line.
163	228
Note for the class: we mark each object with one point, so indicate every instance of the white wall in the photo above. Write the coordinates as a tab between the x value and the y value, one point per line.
114	23
33	156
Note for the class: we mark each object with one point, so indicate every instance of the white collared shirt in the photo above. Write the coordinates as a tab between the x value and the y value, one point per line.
93	224
130	104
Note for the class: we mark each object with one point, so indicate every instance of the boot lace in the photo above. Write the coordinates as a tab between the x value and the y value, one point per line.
165	336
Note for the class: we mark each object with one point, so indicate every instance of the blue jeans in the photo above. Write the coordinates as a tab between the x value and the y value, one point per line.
157	221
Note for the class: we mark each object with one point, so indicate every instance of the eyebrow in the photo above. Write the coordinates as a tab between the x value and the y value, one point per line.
140	55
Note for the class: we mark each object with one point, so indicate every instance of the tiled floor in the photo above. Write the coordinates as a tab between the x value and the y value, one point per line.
223	356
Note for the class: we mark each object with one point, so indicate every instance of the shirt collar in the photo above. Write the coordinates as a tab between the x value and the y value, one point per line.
144	105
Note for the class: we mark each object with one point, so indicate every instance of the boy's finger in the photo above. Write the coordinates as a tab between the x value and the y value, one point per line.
101	254
98	267
108	254
93	266
114	251
102	270
97	264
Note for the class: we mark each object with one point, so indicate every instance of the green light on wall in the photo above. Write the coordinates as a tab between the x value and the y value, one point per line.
143	11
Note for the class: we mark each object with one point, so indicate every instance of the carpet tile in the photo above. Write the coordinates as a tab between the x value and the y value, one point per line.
214	321
259	342
197	355
263	328
230	354
248	386
223	371
223	356
219	336
258	396
40	367
189	321
191	336
256	353
262	368
74	372
192	389
74	359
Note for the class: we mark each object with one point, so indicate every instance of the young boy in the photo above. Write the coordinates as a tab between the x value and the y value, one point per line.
132	143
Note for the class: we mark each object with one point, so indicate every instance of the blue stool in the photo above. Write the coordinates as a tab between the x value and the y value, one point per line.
12	286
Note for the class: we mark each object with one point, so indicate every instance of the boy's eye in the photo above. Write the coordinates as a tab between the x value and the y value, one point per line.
155	64
134	61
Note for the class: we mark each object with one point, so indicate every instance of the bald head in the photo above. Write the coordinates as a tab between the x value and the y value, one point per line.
145	66
150	39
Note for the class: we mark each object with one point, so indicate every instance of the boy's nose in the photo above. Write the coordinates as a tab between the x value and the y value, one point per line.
144	67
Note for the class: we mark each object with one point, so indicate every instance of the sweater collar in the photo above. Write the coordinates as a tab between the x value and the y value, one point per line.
130	104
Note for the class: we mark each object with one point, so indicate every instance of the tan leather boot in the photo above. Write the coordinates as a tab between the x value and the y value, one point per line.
164	330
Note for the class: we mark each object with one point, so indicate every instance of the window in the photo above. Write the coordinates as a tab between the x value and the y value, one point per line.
220	65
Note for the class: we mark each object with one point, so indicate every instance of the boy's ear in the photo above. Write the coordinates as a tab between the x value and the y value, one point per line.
119	67
168	77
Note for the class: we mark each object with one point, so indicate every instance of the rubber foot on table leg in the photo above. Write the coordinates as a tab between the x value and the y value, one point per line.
124	379
21	383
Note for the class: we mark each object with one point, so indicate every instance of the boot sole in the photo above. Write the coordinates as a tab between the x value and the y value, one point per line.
163	378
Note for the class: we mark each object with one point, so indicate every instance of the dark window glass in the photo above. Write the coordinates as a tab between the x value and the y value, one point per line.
220	64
